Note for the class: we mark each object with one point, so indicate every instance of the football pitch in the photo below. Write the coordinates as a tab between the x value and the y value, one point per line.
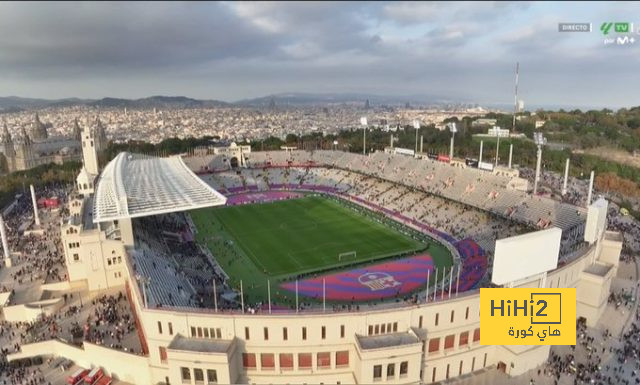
281	239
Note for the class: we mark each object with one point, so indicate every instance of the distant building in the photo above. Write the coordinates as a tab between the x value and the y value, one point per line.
539	123
38	130
497	131
234	154
77	131
484	122
37	148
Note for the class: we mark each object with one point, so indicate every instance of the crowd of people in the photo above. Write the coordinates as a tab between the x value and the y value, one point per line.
599	357
38	259
110	322
39	252
23	376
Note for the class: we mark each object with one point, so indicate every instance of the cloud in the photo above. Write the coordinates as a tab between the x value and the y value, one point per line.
233	50
47	37
430	11
413	12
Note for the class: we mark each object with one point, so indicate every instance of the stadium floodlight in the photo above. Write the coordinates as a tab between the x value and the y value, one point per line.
453	128
416	125
540	141
363	122
496	129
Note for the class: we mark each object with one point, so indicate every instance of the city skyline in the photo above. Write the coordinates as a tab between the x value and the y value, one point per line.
231	51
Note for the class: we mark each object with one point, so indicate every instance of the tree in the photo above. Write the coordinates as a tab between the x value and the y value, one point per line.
4	166
291	139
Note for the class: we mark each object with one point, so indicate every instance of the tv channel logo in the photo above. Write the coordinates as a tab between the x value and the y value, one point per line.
527	316
618	27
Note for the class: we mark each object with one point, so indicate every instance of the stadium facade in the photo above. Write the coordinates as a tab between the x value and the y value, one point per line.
429	340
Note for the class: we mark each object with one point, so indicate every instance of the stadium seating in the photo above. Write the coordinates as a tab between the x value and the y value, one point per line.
454	203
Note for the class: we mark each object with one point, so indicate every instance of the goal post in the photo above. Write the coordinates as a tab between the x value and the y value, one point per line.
347	255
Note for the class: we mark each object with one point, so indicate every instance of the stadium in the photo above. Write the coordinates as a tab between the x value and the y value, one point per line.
318	266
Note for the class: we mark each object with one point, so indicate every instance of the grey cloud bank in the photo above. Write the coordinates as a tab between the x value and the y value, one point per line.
230	51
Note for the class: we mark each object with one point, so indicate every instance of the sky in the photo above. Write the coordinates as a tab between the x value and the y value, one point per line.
229	51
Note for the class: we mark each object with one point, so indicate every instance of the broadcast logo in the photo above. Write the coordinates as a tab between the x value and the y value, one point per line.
527	316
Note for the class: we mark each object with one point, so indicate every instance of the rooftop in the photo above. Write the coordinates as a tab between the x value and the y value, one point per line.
87	213
387	340
598	269
134	185
203	345
613	236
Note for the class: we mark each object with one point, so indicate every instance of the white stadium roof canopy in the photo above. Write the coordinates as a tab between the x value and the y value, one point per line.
134	185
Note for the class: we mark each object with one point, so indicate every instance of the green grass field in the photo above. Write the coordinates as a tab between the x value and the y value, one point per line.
278	240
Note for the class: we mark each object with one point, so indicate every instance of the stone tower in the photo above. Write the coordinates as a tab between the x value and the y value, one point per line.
6	144
89	151
24	151
100	135
38	130
77	131
87	176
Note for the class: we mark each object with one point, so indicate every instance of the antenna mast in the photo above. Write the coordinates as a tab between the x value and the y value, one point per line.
515	103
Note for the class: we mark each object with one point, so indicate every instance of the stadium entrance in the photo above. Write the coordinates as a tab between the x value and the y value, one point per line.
234	162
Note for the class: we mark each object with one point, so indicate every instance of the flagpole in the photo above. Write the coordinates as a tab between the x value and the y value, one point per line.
269	294
324	295
426	297
435	286
450	281
215	296
458	280
242	296
444	276
296	295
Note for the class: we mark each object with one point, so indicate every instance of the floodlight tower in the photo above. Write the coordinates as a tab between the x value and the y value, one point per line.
363	123
453	129
590	189
540	141
416	125
515	101
566	178
497	131
510	154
